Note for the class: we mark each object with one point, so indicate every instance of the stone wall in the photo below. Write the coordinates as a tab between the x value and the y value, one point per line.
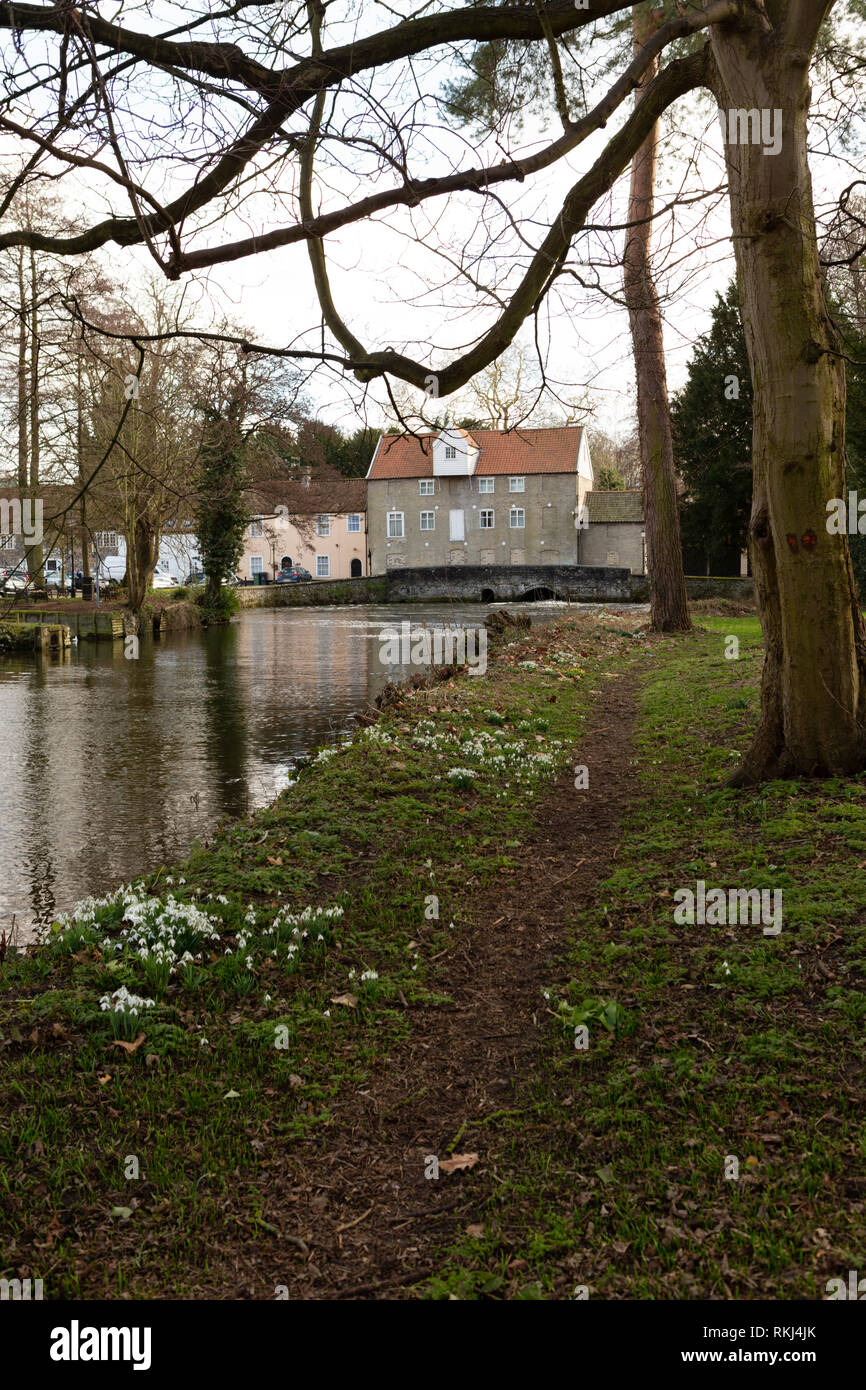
508	584
486	584
621	539
316	591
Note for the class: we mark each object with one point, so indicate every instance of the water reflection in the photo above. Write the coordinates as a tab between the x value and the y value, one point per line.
111	766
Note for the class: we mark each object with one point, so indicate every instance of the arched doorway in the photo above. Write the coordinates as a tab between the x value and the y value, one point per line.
488	596
286	562
355	569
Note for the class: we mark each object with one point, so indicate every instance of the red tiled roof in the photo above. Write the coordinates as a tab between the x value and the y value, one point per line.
502	451
326	493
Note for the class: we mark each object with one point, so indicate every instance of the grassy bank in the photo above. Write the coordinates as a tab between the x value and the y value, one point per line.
614	1173
283	962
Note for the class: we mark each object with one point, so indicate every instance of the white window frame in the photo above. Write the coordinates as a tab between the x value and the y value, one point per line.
323	566
432	517
487	525
257	527
513	523
426	487
105	540
353	516
451	451
486	484
398	533
261	566
323	524
517	484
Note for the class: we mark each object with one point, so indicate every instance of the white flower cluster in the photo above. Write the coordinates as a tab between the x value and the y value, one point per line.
376	734
509	759
122	1002
301	927
325	753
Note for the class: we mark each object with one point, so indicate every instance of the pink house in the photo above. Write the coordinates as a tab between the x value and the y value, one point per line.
321	525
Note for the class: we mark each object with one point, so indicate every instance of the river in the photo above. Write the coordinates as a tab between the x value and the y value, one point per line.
111	766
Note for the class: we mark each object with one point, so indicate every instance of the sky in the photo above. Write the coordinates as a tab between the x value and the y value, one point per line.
387	275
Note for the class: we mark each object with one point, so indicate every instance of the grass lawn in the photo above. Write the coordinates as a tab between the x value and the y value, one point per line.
732	1043
168	1165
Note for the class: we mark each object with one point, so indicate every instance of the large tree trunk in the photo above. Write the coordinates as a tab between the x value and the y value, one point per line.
35	563
811	719
669	608
22	380
79	439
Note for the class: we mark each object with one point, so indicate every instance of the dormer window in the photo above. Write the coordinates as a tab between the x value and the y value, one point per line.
455	454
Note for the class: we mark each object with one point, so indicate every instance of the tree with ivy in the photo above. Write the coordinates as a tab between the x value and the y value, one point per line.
711	418
221	513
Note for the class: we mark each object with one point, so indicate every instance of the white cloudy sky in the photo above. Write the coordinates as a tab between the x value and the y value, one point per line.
386	284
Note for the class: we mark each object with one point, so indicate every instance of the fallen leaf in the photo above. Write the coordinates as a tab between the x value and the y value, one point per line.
125	1212
295	1081
277	861
129	1046
605	1173
459	1161
476	1232
151	1060
350	1000
103	1079
232	1095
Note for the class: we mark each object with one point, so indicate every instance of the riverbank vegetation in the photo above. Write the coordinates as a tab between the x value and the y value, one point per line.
228	1079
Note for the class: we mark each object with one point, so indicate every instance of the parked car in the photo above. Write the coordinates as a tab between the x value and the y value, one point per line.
15	581
296	575
163	581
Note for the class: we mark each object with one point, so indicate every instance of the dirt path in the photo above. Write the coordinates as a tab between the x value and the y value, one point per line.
358	1216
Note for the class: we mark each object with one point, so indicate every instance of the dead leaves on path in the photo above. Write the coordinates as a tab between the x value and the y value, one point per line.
129	1047
458	1163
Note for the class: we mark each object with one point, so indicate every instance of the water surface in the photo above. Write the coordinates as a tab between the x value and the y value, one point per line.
110	767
